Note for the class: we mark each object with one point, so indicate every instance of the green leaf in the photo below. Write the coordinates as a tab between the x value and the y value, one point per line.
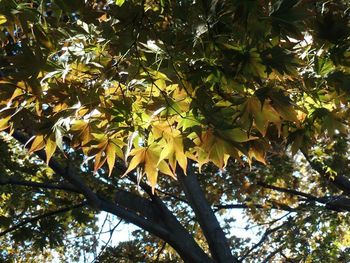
119	2
236	135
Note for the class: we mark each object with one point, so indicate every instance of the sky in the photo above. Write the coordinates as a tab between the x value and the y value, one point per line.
123	232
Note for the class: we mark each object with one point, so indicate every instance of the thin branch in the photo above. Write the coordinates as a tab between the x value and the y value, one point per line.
103	224
90	234
271	255
172	195
64	187
269	223
36	218
160	251
100	232
276	206
334	203
262	240
293	192
109	240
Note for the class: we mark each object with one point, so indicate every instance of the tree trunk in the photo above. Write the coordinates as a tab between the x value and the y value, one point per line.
218	243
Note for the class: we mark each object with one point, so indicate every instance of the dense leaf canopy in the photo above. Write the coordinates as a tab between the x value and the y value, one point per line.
251	97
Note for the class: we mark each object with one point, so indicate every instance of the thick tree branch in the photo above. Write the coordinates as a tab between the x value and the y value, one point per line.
214	234
156	212
177	237
139	205
171	231
36	218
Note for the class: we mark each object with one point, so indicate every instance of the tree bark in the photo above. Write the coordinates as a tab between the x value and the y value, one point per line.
214	234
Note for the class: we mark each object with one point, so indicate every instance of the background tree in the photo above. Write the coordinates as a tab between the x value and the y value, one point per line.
245	103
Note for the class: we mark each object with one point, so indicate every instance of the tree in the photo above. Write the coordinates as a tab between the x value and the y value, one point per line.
204	105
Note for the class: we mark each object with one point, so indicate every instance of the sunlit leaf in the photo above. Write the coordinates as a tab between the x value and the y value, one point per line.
3	19
50	147
137	159
111	156
119	2
37	144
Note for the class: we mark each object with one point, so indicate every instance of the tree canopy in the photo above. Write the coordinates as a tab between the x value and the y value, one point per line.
203	105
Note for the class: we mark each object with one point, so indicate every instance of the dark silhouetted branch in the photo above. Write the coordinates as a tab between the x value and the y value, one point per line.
36	218
262	240
276	206
64	187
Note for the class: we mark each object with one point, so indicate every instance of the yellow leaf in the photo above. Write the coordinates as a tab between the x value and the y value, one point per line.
119	2
37	144
202	158
78	125
50	147
4	123
167	151
257	151
182	160
111	154
100	147
81	128
262	114
174	152
164	168
288	113
139	157
119	145
215	149
3	19
150	169
172	162
99	161
217	152
152	176
16	93
180	154
152	155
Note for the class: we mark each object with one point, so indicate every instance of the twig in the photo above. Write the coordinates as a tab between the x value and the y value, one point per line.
262	240
160	251
36	218
109	240
293	192
64	187
277	206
